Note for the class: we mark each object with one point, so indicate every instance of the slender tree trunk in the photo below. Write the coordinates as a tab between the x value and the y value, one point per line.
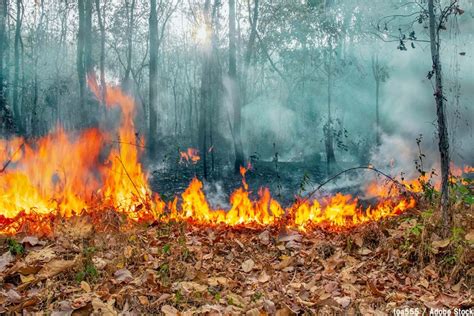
250	49
16	75
6	117
443	143
205	92
128	69
330	156
81	71
376	71
101	20
234	91
153	77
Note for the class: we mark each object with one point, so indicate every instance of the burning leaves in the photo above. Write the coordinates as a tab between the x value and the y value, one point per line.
191	155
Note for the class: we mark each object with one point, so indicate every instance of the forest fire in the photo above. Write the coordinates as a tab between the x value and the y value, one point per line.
63	174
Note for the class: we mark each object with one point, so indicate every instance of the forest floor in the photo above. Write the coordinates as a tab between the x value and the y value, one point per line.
176	268
116	267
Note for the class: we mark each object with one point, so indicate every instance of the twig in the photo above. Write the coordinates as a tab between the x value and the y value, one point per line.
130	178
11	158
351	169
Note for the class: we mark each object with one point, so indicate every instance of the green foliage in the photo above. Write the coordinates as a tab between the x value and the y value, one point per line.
461	192
305	181
89	272
15	247
178	297
167	249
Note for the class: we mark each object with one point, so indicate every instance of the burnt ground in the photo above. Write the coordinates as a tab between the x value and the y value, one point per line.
284	179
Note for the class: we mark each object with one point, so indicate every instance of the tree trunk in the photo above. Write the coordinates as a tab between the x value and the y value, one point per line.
6	117
153	77
81	71
101	20
128	69
377	73
443	143
234	91
205	92
329	141
249	51
16	76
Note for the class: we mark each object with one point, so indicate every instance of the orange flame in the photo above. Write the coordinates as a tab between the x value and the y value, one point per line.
62	174
190	155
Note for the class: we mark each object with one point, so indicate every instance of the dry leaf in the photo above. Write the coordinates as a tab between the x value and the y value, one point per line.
5	260
470	236
123	275
284	263
128	251
269	307
440	243
101	308
263	277
248	265
55	267
190	287
40	256
169	310
264	237
85	286
365	251
143	300
343	301
13	296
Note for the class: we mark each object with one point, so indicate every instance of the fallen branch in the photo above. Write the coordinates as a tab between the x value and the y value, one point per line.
130	178
351	169
5	166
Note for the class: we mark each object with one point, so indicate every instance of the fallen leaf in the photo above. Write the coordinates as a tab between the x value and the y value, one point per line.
32	240
27	278
470	236
169	310
13	296
143	300
365	251
85	286
55	267
269	307
263	277
264	237
101	308
284	263
190	287
440	243
128	251
5	260
343	301
253	312
40	256
123	275
215	281
248	265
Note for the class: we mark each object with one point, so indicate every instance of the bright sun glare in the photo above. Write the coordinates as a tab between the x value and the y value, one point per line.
202	34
